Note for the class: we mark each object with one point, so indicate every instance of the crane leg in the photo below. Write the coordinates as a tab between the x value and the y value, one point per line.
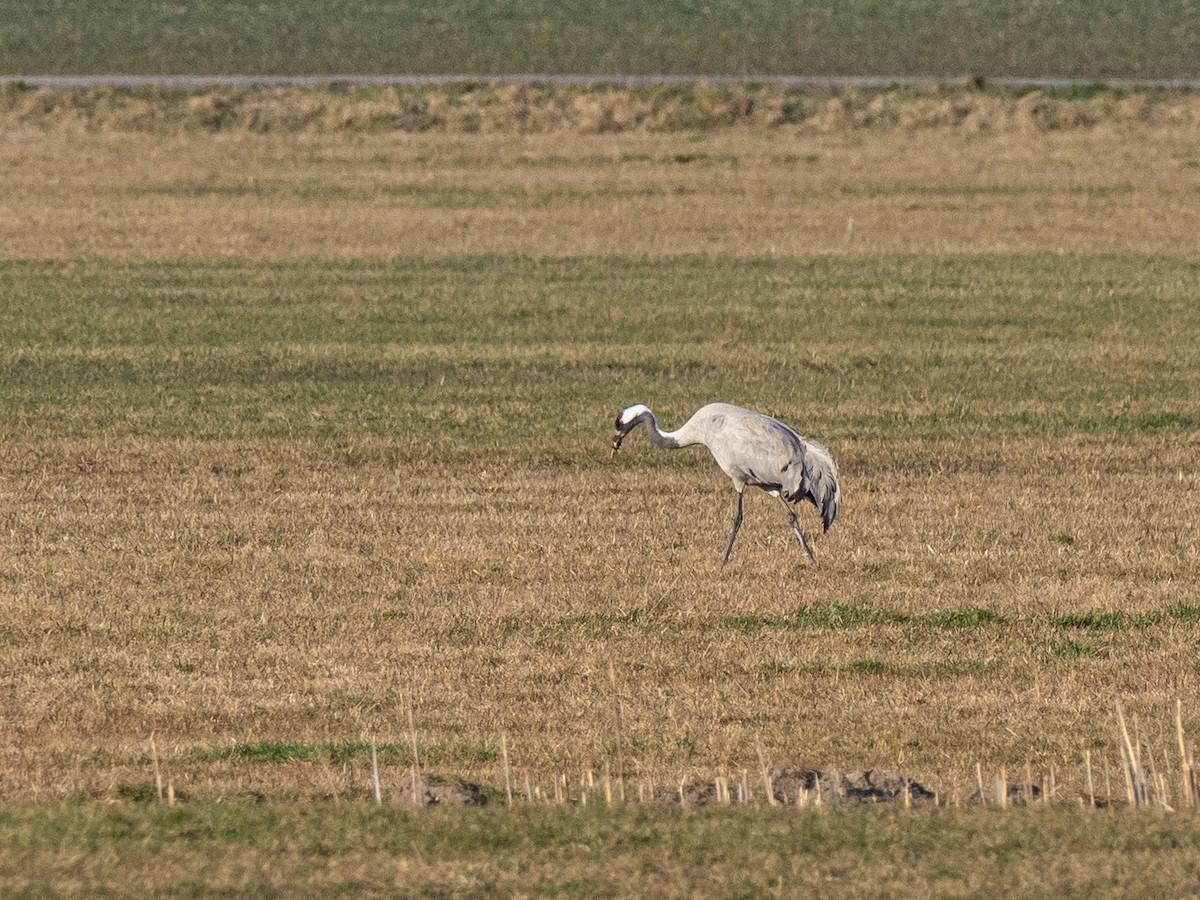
737	523
794	521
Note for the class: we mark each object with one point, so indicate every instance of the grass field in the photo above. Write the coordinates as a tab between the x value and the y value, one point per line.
302	431
1069	38
557	852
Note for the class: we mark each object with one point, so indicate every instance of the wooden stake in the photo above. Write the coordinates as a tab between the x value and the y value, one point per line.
158	783
1107	784
1137	742
507	770
1087	762
766	772
1191	772
612	678
1153	769
1130	761
375	789
1143	790
1186	797
416	769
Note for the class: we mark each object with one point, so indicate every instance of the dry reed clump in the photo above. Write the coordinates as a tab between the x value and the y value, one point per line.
531	108
975	112
607	111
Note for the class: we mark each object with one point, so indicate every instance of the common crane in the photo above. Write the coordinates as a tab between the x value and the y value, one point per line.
752	449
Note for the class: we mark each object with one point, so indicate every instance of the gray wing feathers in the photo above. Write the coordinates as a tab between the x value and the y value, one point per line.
815	480
822	474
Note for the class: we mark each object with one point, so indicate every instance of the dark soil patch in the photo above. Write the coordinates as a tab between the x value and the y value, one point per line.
437	790
799	786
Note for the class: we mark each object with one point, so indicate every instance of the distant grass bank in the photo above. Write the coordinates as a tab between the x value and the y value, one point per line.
516	108
1073	38
317	850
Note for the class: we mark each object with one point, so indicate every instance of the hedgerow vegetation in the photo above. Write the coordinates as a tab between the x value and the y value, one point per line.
598	109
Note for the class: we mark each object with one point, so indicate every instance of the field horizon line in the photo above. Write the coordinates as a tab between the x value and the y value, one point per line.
201	80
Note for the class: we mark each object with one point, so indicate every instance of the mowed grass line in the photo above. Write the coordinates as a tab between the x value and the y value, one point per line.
507	357
331	196
315	849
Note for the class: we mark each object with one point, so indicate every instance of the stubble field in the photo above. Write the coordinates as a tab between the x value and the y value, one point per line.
304	431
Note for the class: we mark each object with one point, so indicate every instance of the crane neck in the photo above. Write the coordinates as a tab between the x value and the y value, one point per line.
668	440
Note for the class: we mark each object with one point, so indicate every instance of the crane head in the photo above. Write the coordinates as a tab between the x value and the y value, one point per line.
627	420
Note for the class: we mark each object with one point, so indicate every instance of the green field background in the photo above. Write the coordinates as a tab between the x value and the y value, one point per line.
450	353
1070	38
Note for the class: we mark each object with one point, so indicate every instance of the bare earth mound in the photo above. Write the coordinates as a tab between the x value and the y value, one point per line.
438	790
796	785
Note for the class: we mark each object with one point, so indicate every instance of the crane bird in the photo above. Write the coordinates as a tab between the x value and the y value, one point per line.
752	449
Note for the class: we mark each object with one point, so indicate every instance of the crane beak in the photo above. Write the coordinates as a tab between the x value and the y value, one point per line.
621	431
618	436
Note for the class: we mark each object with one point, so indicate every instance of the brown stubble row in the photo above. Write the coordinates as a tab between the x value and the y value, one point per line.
217	594
733	191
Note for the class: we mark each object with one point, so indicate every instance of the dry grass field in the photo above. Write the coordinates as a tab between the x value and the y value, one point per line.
302	431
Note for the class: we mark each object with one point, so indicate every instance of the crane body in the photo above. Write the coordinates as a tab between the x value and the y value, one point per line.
754	450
